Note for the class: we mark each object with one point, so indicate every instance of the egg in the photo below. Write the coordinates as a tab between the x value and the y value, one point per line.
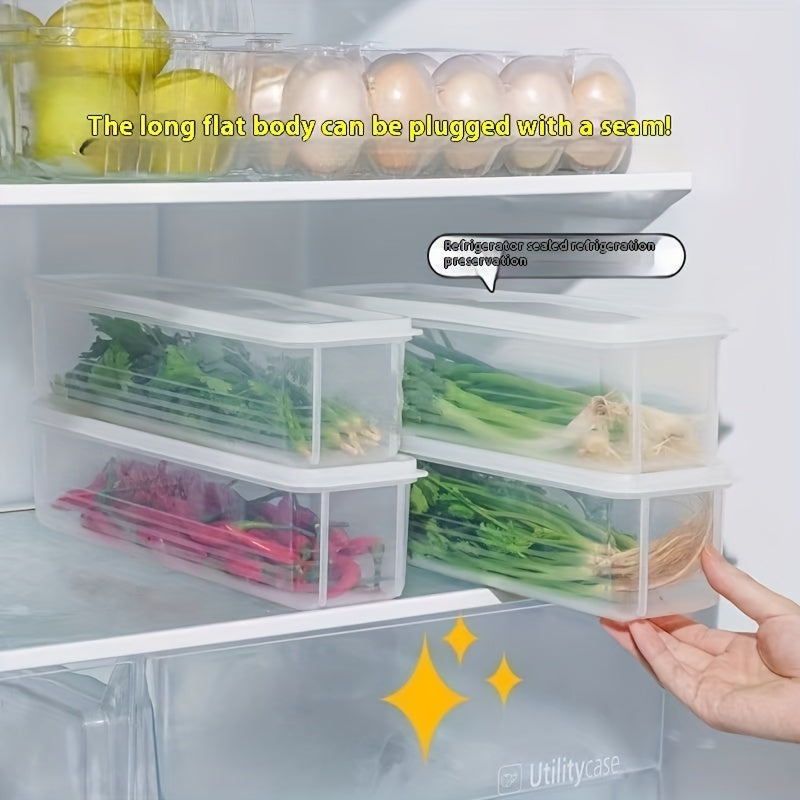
535	86
401	88
429	62
325	87
469	89
599	95
266	99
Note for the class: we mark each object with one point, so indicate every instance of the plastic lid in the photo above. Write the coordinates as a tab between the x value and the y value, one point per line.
400	470
528	314
621	486
237	313
199	42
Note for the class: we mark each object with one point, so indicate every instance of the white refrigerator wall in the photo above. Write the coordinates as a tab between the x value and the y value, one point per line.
723	70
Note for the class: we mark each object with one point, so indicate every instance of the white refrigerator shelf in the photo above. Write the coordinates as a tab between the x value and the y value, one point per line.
604	195
64	600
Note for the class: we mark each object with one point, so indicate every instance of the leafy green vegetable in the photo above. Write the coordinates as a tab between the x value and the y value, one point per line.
211	384
450	394
492	525
449	389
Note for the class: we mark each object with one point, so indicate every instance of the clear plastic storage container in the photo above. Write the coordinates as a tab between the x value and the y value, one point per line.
475	705
301	538
570	380
177	15
434	113
92	104
267	375
617	546
498	702
80	734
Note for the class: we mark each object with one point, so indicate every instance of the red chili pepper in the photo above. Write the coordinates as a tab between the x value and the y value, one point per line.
299	543
362	545
176	541
77	498
148	538
98	522
337	539
268	549
246	568
349	576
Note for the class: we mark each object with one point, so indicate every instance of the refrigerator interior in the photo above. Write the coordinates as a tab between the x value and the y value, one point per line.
722	69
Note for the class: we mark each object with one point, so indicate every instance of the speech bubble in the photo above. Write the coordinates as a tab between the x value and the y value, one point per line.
453	264
558	256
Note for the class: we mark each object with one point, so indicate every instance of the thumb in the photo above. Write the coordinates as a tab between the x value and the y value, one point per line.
749	596
778	641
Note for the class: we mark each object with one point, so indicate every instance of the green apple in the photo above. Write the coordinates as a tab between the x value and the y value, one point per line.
183	96
62	134
126	38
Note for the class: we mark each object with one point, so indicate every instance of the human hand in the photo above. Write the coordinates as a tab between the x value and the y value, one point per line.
735	682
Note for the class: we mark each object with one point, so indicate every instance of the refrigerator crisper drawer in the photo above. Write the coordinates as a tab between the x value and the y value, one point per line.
567	380
618	546
475	706
266	375
490	704
76	735
262	528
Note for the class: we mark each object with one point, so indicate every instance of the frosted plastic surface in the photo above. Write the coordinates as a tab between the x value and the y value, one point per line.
305	718
56	588
85	592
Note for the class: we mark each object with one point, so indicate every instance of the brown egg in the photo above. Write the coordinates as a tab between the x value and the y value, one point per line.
401	88
599	95
429	62
535	86
325	87
470	89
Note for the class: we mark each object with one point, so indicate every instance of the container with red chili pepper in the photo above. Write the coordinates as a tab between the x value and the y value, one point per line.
300	538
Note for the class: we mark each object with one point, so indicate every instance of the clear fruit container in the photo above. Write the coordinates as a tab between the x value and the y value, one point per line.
299	538
236	16
267	375
576	381
617	546
92	104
